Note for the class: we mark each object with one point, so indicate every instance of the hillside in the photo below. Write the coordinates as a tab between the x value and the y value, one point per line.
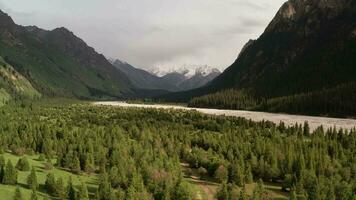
57	63
13	85
308	49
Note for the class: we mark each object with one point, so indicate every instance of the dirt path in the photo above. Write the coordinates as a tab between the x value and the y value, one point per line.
289	120
208	187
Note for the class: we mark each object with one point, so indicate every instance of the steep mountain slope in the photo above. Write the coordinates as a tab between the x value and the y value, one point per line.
58	63
14	85
309	47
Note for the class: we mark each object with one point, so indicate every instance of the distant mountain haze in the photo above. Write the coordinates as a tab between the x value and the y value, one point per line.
179	79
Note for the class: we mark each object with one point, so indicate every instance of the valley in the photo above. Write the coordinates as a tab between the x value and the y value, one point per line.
287	119
279	123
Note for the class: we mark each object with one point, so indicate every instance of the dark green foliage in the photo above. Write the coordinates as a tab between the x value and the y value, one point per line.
183	192
50	184
34	195
23	164
17	194
295	66
83	192
57	63
223	192
139	151
10	174
71	193
334	101
32	180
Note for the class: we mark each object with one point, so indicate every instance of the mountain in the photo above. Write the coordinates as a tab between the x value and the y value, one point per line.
143	79
188	77
173	80
58	63
304	58
13	85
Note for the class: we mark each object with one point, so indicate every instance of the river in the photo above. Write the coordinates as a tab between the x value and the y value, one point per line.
288	119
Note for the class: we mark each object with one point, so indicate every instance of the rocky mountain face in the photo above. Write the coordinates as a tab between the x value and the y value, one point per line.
309	46
173	80
58	63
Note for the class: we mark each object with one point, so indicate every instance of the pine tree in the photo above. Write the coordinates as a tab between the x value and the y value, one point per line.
17	194
258	191
104	189
222	193
83	192
32	180
50	184
10	175
75	166
2	174
34	195
59	188
23	164
293	194
71	193
2	161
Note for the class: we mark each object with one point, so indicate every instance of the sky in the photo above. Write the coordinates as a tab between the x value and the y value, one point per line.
154	33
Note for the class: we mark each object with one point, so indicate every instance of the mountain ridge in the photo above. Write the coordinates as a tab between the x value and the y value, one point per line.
170	81
309	46
58	63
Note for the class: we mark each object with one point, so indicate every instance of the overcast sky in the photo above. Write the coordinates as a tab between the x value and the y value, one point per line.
154	33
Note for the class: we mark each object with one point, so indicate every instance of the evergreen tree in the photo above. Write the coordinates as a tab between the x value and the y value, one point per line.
183	192
83	192
23	164
104	189
59	188
17	194
71	193
293	194
32	180
2	174
10	175
223	193
34	195
2	161
258	193
50	184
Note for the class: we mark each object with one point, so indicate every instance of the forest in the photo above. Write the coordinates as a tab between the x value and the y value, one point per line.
337	101
78	151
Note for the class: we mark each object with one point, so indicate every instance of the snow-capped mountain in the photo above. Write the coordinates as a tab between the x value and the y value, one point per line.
175	79
187	70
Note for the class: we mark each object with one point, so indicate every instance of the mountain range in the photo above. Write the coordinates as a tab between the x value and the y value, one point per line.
58	63
180	79
304	62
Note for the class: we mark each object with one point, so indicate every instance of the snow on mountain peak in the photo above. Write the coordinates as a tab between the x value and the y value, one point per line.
187	70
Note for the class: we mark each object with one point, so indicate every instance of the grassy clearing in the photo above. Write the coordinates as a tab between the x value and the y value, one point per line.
7	191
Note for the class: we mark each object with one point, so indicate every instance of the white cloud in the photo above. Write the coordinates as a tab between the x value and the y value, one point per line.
150	33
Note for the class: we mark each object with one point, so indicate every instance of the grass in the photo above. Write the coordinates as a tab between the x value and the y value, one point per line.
7	191
211	185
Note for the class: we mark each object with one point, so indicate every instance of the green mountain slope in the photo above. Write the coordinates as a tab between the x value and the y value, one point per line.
14	85
58	63
308	48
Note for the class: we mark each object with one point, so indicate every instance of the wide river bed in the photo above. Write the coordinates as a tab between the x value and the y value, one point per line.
289	120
